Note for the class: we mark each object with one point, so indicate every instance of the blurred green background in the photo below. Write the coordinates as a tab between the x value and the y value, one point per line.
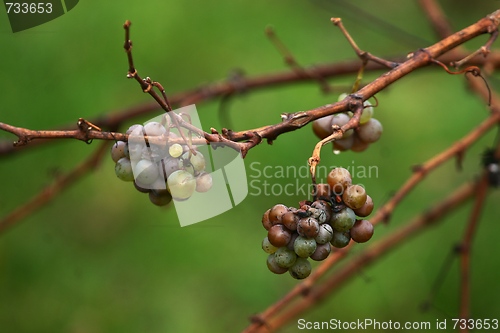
101	258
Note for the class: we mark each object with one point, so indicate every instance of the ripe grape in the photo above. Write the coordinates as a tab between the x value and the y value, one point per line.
169	165
291	243
181	184
322	127
146	172
290	220
304	247
322	252
265	220
308	227
123	169
278	235
137	129
273	266
285	257
119	150
362	231
276	213
140	188
340	239
371	131
339	179
344	143
154	129
267	246
354	196
203	182
358	145
301	269
343	220
340	119
161	198
325	234
366	209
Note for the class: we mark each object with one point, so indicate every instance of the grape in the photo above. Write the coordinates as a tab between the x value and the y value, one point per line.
325	234
197	161
339	179
301	269
140	188
146	172
304	247
273	266
265	220
119	150
322	191
342	96
290	220
284	257
278	235
340	119
181	184
340	239
169	165
322	127
367	113
175	150
371	131
154	129
354	196
135	150
162	198
157	152
308	227
366	209
267	246
276	213
325	213
343	220
322	252
123	169
291	243
362	231
344	143
137	129
358	145
203	182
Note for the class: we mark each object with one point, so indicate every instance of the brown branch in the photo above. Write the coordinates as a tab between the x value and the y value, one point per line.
52	190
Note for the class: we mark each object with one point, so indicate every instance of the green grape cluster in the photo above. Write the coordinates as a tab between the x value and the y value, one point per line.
163	170
295	235
369	131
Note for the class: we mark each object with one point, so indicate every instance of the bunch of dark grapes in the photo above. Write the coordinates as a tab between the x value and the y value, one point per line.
163	170
310	231
358	140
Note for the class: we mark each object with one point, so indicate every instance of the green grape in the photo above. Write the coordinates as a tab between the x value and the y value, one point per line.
278	235
154	129
339	179
343	220
362	231
123	169
371	131
175	150
301	269
273	266
119	150
197	161
277	212
342	96
304	247
181	184
203	182
340	119
322	127
340	239
354	196
267	246
367	112
366	209
290	220
308	227
146	172
266	223
162	198
284	257
325	234
322	252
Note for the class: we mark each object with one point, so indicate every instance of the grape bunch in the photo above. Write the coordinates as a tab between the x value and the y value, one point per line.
162	169
358	140
310	231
